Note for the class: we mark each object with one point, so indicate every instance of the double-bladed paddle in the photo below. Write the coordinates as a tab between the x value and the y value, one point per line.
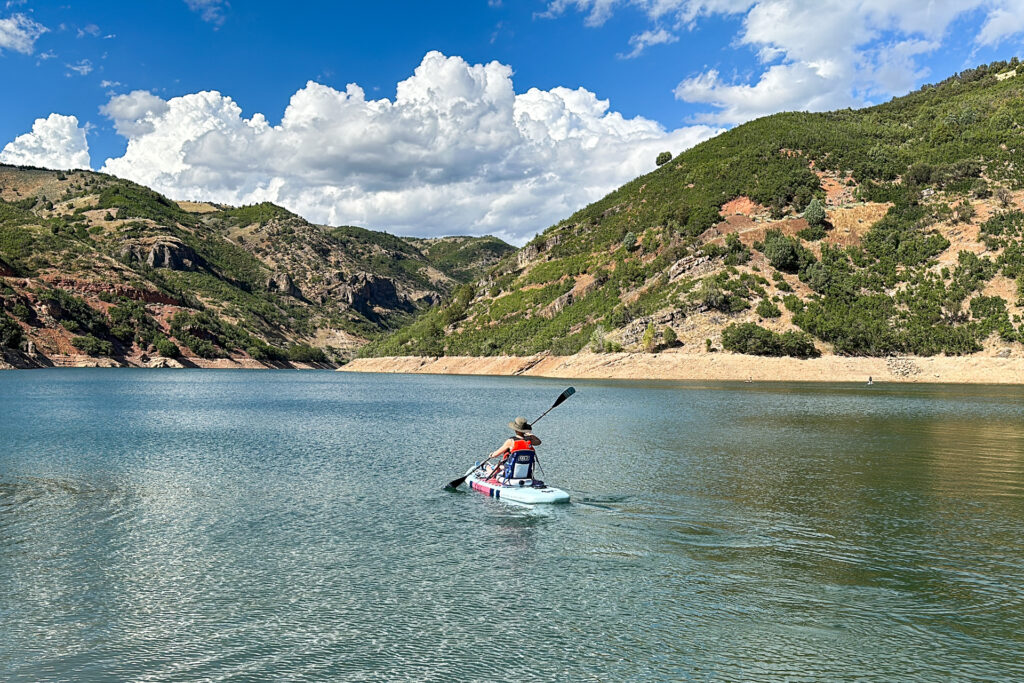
456	483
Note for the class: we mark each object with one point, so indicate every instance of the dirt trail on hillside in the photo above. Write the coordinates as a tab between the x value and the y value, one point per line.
714	366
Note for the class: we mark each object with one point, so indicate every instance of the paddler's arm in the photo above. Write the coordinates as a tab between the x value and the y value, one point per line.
534	439
505	448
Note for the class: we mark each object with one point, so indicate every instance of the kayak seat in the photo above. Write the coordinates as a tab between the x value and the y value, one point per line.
519	465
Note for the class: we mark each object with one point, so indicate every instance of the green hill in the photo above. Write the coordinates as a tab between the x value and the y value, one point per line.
887	230
93	264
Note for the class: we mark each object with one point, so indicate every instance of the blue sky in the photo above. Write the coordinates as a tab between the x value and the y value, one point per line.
466	148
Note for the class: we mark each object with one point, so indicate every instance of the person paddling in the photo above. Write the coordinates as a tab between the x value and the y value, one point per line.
524	439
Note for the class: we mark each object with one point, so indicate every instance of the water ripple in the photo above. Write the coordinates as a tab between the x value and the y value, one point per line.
290	526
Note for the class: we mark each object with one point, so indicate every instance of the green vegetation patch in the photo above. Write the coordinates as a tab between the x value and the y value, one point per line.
10	331
136	201
755	340
263	212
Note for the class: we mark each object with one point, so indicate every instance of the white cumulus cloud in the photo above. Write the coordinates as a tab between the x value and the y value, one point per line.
133	113
814	54
1004	21
19	32
54	142
456	151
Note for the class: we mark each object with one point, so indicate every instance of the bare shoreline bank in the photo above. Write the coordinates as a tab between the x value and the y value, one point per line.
712	367
21	361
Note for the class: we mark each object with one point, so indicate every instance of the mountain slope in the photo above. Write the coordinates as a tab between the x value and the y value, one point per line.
892	229
91	263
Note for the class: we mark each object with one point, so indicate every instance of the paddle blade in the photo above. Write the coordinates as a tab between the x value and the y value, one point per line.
565	394
456	483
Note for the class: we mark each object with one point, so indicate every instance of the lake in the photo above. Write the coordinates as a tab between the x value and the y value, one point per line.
283	525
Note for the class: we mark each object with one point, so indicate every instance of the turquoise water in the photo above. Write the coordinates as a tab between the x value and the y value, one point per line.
233	525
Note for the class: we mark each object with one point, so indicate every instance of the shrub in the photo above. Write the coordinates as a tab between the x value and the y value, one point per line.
10	332
710	295
304	353
22	312
91	346
815	214
963	212
784	253
1004	197
629	241
980	189
780	282
257	353
166	348
919	174
736	252
766	309
663	158
793	303
203	348
670	337
812	234
755	340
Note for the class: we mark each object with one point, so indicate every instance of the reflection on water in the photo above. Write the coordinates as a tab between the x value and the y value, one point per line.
209	525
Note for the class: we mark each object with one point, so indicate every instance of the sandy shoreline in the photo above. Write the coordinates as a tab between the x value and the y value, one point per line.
19	361
713	366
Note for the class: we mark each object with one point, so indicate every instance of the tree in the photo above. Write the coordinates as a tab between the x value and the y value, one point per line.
815	214
663	158
784	253
629	241
10	332
166	348
648	339
669	335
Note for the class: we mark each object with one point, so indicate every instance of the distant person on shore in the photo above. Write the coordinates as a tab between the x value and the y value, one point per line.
869	381
524	439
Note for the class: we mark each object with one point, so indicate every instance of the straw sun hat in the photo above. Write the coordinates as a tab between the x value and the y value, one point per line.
520	425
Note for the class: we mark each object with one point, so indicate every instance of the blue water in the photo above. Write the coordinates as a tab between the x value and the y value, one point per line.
234	525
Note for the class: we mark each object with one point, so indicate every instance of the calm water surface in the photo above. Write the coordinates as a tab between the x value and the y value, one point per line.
222	525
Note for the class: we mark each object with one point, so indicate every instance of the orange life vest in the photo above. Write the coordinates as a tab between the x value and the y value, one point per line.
522	445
